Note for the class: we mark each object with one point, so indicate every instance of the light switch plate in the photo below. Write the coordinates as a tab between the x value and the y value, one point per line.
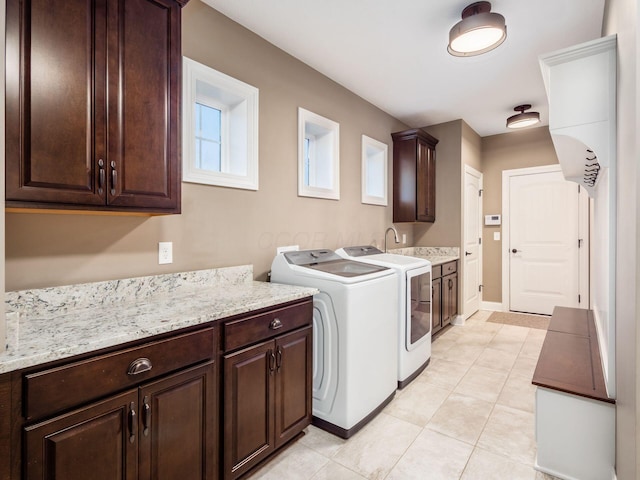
165	253
496	235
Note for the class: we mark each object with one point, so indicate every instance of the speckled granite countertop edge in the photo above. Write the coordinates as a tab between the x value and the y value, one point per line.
46	329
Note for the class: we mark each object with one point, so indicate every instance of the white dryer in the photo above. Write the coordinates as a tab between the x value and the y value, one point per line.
414	306
355	332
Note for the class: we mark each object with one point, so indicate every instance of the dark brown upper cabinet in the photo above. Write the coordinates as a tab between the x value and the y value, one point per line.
93	104
414	176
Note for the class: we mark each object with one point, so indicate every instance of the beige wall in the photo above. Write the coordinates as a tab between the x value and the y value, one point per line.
222	226
621	17
528	148
471	148
445	231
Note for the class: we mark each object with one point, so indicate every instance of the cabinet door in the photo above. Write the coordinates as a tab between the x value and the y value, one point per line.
178	427
55	100
426	185
294	375
454	296
450	298
404	179
144	85
248	407
436	318
99	442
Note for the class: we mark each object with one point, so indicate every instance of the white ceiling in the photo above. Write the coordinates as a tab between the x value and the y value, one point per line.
393	52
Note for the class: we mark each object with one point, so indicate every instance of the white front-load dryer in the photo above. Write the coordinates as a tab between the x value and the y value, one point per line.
355	335
414	306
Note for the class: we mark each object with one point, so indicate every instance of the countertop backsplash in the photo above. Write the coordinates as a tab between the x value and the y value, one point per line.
3	333
428	251
436	255
60	300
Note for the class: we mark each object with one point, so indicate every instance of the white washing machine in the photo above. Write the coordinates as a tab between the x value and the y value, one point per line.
414	306
355	332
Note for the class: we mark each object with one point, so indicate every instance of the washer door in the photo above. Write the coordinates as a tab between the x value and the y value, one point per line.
325	354
418	306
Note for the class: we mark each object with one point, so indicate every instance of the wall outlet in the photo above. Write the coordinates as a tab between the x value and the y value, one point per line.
404	238
165	253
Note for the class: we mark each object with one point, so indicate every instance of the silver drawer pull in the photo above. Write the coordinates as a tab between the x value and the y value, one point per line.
275	324
140	365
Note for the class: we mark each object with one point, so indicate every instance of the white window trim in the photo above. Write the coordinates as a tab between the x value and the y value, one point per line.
193	72
309	119
382	148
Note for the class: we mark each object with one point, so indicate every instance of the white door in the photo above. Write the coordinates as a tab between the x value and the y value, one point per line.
472	256
543	242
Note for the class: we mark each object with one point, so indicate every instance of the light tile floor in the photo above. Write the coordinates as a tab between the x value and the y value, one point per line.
468	416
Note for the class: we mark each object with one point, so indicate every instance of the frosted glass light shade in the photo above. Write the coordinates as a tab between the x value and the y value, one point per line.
478	32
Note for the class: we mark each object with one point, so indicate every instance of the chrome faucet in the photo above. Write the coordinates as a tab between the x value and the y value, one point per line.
395	237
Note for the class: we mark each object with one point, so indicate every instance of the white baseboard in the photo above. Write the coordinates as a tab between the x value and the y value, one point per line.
491	306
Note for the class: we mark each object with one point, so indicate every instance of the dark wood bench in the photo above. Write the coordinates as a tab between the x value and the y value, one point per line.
570	358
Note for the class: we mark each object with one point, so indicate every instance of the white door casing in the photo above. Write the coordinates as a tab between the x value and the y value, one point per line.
471	254
542	222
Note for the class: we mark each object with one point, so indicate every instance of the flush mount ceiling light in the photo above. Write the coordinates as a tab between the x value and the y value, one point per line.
478	32
523	119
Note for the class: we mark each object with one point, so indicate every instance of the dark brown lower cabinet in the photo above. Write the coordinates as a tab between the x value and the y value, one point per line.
267	398
436	304
445	295
151	410
91	442
162	430
178	427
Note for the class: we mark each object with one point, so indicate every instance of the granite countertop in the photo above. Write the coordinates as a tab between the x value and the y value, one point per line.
438	259
60	322
436	255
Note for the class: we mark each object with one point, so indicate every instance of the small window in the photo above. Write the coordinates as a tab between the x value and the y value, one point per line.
208	138
220	128
318	156
374	171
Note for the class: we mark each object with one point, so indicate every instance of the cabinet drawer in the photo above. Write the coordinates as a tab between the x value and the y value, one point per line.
450	267
245	331
57	389
436	271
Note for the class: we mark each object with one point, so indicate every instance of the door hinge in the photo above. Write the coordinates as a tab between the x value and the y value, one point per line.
580	243
480	192
480	241
579	298
578	188
480	288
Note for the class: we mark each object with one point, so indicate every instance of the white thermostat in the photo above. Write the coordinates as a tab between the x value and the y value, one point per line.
492	219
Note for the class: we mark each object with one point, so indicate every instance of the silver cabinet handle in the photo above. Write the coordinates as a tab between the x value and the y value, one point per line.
133	421
139	366
114	177
146	416
100	176
275	324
